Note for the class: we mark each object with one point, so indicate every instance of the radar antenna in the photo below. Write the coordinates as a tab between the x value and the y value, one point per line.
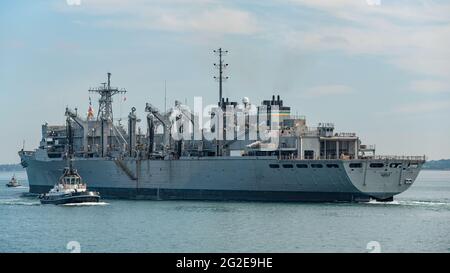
106	93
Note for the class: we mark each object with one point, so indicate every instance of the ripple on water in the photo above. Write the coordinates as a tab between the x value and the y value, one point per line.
203	208
18	202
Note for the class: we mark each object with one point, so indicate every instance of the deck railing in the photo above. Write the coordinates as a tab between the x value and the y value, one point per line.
28	153
376	157
398	157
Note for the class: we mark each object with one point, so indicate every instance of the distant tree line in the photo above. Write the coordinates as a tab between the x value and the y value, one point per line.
10	167
443	164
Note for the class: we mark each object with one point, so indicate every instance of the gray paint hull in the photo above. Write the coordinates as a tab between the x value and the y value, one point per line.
229	178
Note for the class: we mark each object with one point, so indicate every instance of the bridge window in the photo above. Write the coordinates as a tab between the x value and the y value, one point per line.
336	166
316	166
376	165
274	166
413	165
355	165
288	166
302	166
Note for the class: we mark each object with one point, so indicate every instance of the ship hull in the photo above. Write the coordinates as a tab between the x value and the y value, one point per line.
222	195
231	178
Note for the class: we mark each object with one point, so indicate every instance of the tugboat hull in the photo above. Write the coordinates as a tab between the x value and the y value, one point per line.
90	197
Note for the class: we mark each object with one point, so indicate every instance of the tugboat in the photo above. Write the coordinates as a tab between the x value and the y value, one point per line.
70	188
13	182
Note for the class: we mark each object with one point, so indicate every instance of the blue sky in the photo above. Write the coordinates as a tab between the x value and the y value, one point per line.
377	68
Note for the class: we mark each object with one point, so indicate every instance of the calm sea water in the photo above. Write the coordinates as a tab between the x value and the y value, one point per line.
417	221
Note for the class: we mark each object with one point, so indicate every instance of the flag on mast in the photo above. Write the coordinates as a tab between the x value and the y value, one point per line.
90	113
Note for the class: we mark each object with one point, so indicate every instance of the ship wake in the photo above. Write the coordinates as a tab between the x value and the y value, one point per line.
18	202
416	203
86	204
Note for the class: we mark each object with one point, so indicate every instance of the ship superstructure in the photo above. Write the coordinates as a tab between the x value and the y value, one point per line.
178	158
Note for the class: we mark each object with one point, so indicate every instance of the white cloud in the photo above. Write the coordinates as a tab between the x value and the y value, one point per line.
328	90
358	10
413	35
430	86
219	20
422	107
171	15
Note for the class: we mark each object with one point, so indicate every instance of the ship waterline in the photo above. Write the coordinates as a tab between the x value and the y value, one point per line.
234	178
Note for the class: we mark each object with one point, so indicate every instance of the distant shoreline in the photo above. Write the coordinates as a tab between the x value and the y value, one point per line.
11	167
441	165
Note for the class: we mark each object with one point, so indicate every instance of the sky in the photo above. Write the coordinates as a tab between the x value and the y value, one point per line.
375	67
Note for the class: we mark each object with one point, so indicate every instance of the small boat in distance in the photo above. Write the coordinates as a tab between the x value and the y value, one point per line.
70	189
13	182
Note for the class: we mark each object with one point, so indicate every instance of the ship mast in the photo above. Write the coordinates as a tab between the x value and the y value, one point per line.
69	137
106	93
220	78
105	112
221	66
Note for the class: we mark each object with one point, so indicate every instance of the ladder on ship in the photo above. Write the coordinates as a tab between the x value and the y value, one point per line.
125	168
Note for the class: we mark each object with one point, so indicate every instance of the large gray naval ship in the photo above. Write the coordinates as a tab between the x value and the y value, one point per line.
314	164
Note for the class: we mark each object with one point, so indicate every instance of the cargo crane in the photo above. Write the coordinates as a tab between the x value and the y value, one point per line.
179	106
132	119
83	125
154	112
184	111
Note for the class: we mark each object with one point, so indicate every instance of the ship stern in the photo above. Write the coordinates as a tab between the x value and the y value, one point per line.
382	178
